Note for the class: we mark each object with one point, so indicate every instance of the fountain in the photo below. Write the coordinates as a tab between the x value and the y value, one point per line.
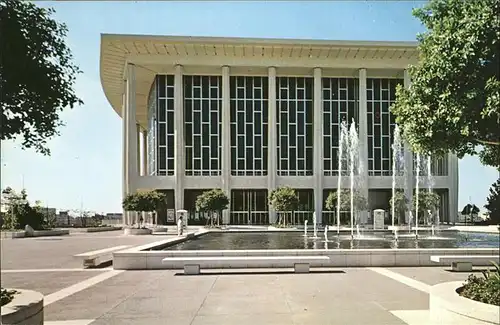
315	229
305	228
358	233
353	158
342	143
397	166
417	181
326	233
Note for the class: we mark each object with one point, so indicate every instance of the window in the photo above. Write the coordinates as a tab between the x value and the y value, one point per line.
380	94
248	106
203	122
294	110
164	131
340	103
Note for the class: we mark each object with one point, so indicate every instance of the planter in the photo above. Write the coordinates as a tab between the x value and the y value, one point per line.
137	231
448	307
25	308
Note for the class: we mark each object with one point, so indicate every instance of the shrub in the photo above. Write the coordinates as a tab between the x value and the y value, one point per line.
485	289
6	295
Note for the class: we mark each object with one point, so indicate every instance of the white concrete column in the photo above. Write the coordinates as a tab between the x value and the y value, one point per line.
138	135
144	153
226	141
318	145
453	187
271	146
179	138
124	155
363	140
130	135
408	160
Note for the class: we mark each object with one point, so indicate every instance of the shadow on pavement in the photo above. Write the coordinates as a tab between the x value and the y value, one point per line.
250	272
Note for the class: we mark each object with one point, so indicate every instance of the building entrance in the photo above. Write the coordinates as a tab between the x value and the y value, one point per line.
249	207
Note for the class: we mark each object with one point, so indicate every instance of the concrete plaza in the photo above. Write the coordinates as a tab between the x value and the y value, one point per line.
272	296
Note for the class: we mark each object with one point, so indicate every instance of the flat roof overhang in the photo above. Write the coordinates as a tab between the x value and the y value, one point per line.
154	55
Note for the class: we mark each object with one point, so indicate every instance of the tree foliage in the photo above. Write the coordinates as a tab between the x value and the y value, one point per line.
400	202
470	209
36	74
493	202
359	201
147	201
20	213
453	103
284	199
212	201
426	201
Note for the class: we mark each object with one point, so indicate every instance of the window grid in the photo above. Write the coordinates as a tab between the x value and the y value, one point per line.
381	93
203	125
249	115
165	125
152	104
295	126
340	103
439	165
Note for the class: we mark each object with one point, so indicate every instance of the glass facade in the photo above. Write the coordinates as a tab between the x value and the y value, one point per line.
203	125
340	103
294	109
380	94
165	125
152	104
249	129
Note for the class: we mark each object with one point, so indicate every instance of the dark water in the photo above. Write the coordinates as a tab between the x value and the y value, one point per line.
296	240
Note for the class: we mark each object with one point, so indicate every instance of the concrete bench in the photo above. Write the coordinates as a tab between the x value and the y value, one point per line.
192	265
462	263
98	257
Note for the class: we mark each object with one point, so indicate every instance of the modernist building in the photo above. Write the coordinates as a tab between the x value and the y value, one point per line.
250	115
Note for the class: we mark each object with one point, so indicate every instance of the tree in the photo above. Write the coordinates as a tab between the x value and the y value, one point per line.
426	201
36	74
453	103
470	210
400	202
493	203
284	199
213	201
359	202
20	213
144	201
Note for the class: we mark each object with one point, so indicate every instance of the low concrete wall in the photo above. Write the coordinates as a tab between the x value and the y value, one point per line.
26	308
137	231
36	233
12	234
143	257
448	307
99	229
51	232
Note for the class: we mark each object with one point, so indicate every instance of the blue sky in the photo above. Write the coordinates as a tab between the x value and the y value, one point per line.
85	166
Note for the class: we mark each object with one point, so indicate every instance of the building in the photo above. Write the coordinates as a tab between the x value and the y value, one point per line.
250	115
